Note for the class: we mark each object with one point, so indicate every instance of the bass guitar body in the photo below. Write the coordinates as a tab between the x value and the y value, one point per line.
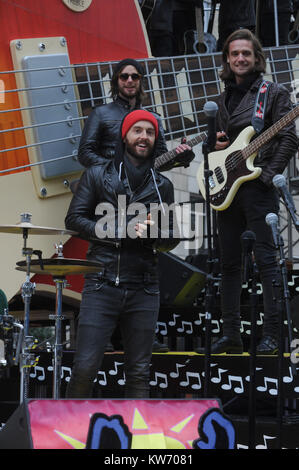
227	171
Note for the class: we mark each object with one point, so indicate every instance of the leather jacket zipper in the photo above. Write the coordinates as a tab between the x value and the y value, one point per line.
123	212
118	266
123	216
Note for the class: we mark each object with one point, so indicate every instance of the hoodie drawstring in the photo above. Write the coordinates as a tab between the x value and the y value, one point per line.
119	170
158	192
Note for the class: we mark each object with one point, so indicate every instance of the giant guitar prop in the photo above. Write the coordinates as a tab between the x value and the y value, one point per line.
233	166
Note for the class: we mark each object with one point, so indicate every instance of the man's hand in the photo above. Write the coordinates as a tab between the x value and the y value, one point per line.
185	155
182	148
222	141
142	227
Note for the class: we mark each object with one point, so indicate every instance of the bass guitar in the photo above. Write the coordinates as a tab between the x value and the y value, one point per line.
233	166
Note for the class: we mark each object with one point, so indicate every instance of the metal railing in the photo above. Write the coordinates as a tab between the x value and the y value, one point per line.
176	87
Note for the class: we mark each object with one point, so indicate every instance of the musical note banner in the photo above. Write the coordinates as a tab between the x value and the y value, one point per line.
189	322
175	375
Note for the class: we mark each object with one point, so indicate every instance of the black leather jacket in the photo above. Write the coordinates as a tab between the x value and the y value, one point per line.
101	130
125	260
274	156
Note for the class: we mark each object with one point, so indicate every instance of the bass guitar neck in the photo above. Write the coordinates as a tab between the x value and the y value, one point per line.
172	155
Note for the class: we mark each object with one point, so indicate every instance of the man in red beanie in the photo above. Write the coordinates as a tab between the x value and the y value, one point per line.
126	290
101	129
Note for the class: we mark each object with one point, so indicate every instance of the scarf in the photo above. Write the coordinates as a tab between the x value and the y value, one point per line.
136	174
236	92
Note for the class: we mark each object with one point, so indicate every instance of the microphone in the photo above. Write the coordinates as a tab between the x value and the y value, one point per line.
279	183
272	221
247	241
210	109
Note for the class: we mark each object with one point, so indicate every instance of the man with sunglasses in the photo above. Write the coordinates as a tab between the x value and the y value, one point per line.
101	130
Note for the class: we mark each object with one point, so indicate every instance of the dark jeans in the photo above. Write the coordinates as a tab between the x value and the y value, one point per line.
252	203
103	307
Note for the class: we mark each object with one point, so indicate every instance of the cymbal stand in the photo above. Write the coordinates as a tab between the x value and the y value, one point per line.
27	359
60	283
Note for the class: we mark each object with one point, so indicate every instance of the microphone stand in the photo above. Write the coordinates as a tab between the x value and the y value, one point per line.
283	296
250	271
207	147
286	292
253	344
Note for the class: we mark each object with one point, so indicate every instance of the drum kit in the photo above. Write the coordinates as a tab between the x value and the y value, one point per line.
58	267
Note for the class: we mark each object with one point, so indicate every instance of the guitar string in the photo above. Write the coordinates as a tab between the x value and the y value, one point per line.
238	157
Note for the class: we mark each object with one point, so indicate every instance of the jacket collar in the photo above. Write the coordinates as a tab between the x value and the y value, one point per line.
250	83
125	103
244	103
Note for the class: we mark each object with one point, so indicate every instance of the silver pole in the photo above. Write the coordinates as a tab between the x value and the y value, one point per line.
60	283
276	23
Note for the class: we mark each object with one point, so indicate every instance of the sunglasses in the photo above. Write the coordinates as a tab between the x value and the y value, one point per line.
124	76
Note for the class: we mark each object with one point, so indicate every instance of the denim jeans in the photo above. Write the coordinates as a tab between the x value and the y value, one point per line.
103	307
251	204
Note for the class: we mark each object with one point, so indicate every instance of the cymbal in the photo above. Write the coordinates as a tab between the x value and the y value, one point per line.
34	229
60	266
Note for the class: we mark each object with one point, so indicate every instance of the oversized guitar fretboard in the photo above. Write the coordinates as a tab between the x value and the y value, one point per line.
177	88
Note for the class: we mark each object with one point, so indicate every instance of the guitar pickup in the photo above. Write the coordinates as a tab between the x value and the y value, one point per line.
219	174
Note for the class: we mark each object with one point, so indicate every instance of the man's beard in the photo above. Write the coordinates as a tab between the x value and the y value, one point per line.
131	150
129	96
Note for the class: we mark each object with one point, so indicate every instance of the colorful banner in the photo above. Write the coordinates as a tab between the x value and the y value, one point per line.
137	424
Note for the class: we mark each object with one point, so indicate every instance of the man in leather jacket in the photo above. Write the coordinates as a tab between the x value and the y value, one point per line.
243	64
126	290
101	129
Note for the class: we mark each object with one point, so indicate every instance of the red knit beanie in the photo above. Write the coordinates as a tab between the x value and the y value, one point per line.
135	116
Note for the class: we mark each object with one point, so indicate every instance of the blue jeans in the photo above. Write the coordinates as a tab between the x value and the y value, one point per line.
103	307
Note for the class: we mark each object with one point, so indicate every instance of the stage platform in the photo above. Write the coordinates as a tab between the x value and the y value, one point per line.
180	375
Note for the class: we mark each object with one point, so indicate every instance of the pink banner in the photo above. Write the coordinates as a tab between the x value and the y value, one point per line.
154	424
